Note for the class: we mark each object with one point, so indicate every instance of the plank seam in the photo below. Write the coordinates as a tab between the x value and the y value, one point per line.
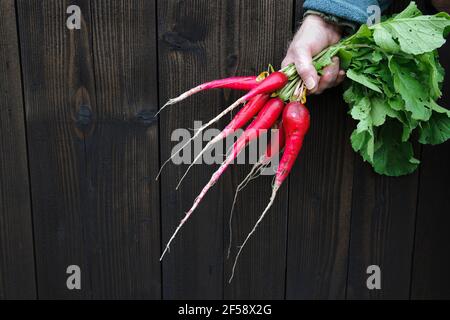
294	19
86	162
27	150
159	147
416	217
350	229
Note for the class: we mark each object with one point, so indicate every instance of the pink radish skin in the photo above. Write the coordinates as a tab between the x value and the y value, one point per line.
272	149
272	83
275	148
235	83
264	121
239	121
296	121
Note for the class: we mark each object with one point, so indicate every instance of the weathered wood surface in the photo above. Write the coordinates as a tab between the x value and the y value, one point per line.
17	278
84	192
90	96
320	194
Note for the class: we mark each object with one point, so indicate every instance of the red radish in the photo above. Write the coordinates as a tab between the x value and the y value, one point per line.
236	83
296	120
272	83
241	119
264	121
273	148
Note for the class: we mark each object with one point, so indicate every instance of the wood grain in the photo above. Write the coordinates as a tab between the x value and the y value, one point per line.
92	153
56	64
320	202
122	151
94	149
260	273
383	219
430	276
189	54
17	274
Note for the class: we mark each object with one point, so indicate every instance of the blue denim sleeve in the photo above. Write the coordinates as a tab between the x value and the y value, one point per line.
352	10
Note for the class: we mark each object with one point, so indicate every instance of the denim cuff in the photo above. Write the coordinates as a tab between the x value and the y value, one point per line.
348	27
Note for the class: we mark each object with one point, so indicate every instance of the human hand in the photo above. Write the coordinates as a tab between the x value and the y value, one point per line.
315	35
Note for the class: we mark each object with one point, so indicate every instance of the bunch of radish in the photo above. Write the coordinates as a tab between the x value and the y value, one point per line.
395	81
272	102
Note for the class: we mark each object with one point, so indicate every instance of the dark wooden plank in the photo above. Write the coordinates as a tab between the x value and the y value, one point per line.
430	278
92	154
17	276
57	71
122	151
383	217
260	273
190	53
320	202
382	229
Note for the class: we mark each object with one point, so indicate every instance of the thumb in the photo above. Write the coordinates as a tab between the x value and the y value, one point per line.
306	70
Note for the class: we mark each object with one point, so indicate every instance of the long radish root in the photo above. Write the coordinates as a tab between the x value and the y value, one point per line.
181	97
254	173
264	121
201	129
296	121
208	146
273	148
240	120
215	177
272	200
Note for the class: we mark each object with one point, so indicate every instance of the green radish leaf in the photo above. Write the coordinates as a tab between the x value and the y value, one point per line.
380	110
411	90
345	58
363	34
377	56
435	131
384	39
393	157
435	107
363	140
353	94
396	103
361	110
364	80
395	79
433	69
325	59
415	35
410	12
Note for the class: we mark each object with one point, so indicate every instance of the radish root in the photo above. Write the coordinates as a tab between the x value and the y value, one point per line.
181	97
200	130
209	145
272	200
254	173
215	177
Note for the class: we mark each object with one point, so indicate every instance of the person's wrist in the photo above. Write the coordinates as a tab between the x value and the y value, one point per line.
339	25
333	32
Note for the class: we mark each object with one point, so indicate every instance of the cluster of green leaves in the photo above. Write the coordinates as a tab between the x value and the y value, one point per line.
395	82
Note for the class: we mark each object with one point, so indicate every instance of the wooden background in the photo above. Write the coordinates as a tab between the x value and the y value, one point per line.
79	150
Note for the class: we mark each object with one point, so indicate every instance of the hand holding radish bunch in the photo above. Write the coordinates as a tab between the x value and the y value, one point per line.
378	61
314	35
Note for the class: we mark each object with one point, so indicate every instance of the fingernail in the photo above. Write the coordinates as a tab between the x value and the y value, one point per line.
310	83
